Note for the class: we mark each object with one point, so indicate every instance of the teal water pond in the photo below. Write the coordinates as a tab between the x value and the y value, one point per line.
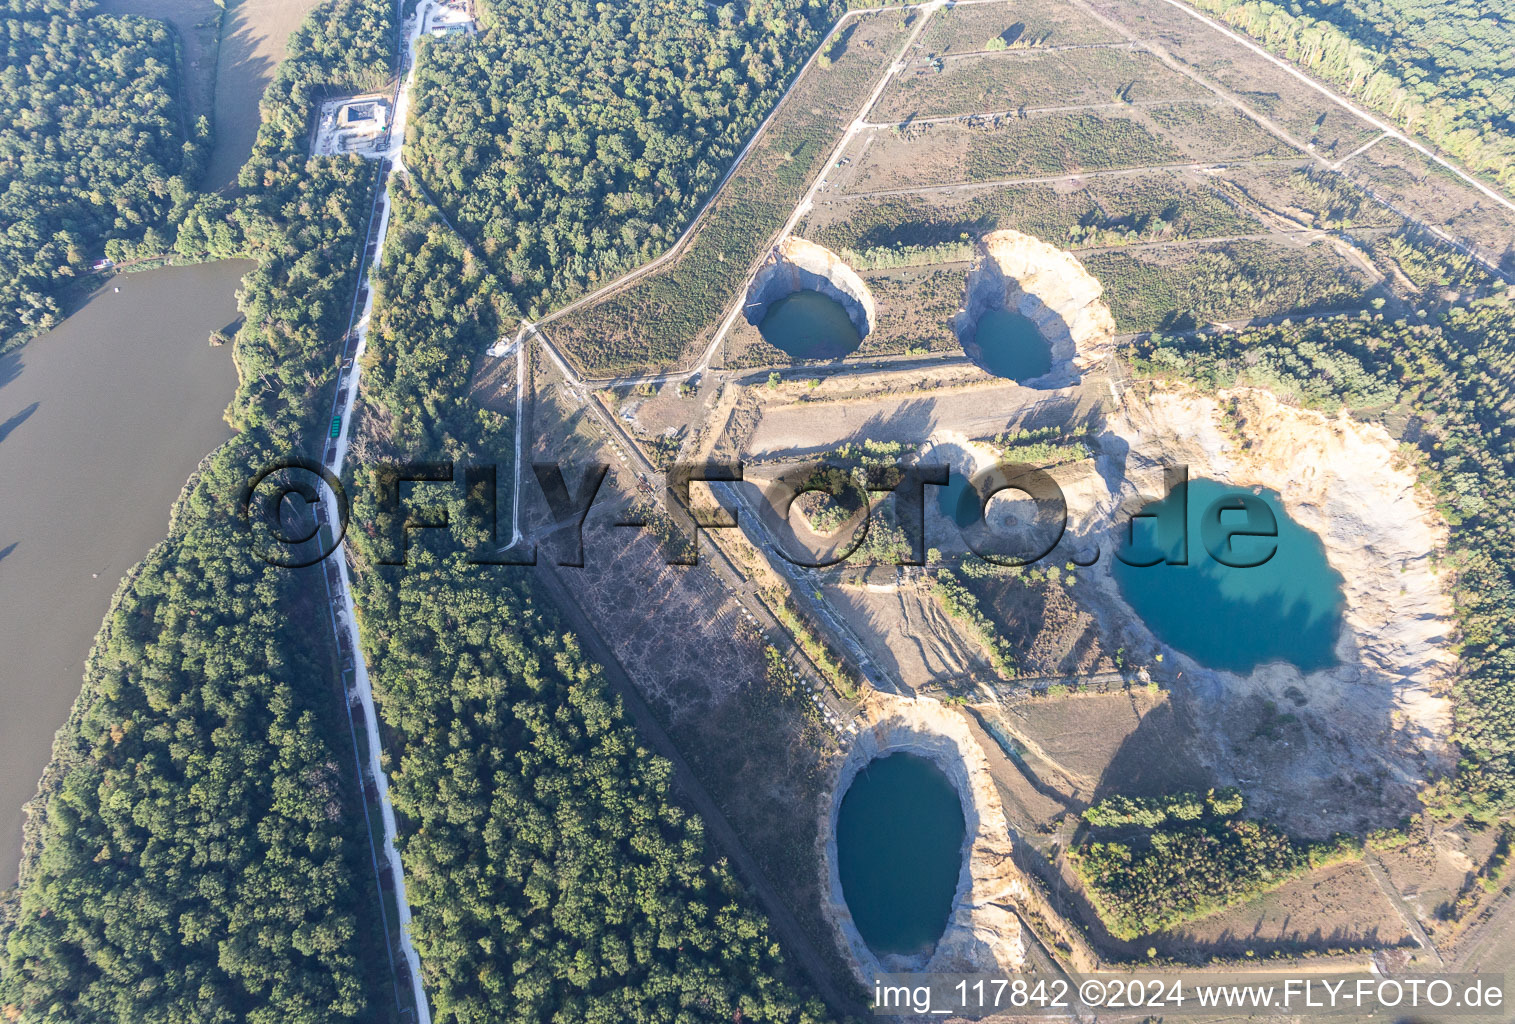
899	847
957	501
1010	346
809	325
1287	609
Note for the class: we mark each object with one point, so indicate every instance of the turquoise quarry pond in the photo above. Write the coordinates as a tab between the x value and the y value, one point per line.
1289	608
899	847
809	325
957	501
1010	346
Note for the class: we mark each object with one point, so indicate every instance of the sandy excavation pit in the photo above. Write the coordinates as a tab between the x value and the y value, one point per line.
983	932
797	265
1022	274
1342	748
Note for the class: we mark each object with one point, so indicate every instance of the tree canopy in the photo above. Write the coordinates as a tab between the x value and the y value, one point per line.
94	148
574	141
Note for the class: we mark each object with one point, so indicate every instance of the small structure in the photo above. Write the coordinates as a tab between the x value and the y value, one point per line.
353	124
451	17
363	116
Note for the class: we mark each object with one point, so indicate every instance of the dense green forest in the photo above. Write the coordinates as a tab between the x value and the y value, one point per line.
304	221
1452	368
1149	865
94	148
201	853
551	874
573	142
1442	69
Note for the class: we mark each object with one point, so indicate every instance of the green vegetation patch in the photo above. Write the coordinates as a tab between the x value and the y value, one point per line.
1181	287
98	151
199	847
654	321
573	142
1214	131
1315	363
1117	210
1153	864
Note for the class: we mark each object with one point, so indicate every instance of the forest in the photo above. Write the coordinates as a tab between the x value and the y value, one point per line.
573	142
1453	370
551	873
94	149
1151	864
199	851
1440	69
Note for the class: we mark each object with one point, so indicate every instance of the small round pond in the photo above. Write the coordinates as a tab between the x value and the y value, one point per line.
1010	345
899	846
1289	608
808	325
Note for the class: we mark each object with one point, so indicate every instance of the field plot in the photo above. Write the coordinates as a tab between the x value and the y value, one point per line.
908	633
1031	24
1338	908
1102	211
1217	132
1183	286
651	323
1309	117
984	83
1051	633
1429	192
1031	78
1004	148
1310	195
1090	744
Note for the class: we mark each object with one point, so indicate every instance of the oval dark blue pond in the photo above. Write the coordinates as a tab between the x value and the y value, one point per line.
809	325
899	848
1010	346
1287	609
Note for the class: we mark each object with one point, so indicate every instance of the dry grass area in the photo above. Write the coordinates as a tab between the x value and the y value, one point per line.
1037	145
1338	908
1045	623
908	634
1031	78
1434	195
958	398
1435	868
1301	111
1029	24
1086	746
1189	205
